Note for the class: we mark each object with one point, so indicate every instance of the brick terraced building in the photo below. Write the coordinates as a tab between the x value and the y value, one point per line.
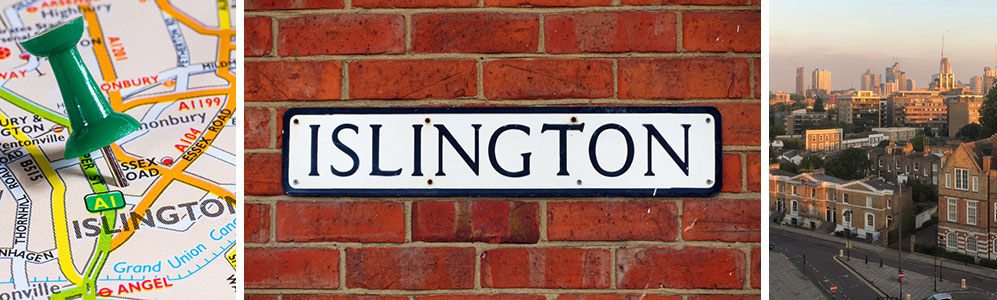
377	53
967	210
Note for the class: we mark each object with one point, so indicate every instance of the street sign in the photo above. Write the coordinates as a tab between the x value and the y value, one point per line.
900	276
834	288
104	201
525	151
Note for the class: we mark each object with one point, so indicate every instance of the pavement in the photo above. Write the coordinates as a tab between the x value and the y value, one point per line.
872	281
786	282
821	269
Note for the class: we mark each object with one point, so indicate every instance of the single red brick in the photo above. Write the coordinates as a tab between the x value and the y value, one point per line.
262	174
365	222
629	31
617	297
754	172
721	220
413	3
257	128
476	221
482	297
547	3
612	221
257	223
722	31
732	173
758	78
260	297
741	123
413	79
292	4
293	80
341	34
259	37
548	78
475	33
693	2
410	268
342	297
686	268
545	268
724	297
756	268
684	78
292	268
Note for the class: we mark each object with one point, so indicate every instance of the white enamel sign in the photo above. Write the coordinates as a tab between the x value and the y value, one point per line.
526	151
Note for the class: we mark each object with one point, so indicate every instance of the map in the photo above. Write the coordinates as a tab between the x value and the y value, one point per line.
66	230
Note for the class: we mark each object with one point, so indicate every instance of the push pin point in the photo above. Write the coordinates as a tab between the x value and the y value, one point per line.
94	124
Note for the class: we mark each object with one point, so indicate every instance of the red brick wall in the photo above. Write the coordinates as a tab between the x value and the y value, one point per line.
503	52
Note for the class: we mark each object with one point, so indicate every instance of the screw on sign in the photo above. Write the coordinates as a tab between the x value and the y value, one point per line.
900	276
834	288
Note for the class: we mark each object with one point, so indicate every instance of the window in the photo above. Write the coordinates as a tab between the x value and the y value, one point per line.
813	193
870	221
953	210
868	201
889	221
953	241
880	162
834	196
794	190
915	166
889	203
934	167
934	180
948	180
976	182
971	212
962	179
971	244
846	197
796	207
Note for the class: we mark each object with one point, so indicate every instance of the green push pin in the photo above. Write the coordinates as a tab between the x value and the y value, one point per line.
94	124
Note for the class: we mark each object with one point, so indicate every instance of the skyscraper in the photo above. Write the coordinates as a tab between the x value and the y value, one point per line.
989	75
902	82
976	84
911	85
867	80
799	80
821	82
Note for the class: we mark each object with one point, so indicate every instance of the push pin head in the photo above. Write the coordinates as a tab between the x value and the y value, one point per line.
93	122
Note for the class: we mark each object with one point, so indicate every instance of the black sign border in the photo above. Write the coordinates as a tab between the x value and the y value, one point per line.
423	192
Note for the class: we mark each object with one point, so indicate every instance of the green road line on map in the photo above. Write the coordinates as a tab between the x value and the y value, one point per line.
37	110
89	289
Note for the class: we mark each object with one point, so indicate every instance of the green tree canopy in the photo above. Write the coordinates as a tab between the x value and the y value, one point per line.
793	144
988	114
811	163
972	132
919	142
789	167
883	143
850	164
819	104
776	130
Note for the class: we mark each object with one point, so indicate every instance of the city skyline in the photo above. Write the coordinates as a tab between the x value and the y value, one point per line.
875	36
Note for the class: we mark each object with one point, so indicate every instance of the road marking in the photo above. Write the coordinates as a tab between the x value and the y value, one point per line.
862	279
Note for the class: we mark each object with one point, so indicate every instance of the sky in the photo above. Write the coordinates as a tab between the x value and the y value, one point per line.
847	37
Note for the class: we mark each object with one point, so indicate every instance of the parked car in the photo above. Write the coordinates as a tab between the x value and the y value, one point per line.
942	296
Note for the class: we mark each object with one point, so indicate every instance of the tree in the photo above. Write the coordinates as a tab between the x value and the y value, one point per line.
793	144
972	132
850	164
988	113
883	143
927	131
811	163
819	104
789	166
776	130
922	192
796	97
918	142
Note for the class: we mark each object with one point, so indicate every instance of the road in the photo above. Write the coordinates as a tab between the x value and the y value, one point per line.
821	268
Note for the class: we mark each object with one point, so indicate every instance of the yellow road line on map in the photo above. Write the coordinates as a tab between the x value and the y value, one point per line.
223	16
171	97
100	50
187	20
58	207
